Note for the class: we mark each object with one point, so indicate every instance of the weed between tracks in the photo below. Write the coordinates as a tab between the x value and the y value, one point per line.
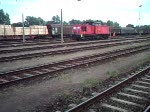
64	77
112	73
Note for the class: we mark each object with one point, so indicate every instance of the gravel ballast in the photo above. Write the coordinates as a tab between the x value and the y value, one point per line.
41	94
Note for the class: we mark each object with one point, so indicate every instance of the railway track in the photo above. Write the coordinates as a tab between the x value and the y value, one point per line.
71	50
53	46
27	73
129	95
57	44
18	42
15	44
147	109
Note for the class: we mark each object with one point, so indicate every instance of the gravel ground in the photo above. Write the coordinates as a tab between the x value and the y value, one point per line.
36	45
27	98
51	44
53	49
18	64
22	47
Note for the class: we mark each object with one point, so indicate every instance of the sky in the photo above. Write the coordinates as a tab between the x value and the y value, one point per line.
122	11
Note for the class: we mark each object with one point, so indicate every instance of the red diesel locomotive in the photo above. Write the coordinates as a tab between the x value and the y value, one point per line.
90	32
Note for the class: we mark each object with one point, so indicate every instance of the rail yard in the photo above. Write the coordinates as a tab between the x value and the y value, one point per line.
76	76
74	56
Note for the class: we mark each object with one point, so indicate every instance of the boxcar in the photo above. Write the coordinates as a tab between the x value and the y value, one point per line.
55	30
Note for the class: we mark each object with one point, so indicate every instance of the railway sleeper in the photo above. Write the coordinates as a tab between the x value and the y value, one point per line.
124	104
136	92
110	108
141	86
132	98
3	81
16	77
47	70
143	83
27	75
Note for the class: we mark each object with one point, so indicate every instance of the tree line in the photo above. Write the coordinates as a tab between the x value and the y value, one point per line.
4	18
31	20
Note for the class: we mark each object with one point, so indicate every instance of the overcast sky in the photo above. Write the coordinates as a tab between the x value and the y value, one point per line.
121	11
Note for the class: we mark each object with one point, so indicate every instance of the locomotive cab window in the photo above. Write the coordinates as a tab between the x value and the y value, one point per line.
83	28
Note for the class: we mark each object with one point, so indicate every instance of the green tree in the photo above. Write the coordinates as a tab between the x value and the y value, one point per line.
89	21
115	24
74	21
41	21
49	22
110	23
65	23
4	18
19	24
99	21
130	25
7	19
56	19
30	20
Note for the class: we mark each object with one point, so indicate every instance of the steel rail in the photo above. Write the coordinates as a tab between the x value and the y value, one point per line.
147	109
84	105
27	73
56	52
55	43
60	45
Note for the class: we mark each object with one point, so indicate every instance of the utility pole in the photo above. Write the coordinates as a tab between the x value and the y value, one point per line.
139	18
4	30
23	28
62	39
23	36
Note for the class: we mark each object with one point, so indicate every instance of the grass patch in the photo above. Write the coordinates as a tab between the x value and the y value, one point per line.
64	77
90	82
129	67
145	60
112	73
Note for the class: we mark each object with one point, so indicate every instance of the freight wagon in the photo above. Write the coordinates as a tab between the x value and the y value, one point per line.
121	31
87	31
54	30
115	31
143	31
128	31
8	32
